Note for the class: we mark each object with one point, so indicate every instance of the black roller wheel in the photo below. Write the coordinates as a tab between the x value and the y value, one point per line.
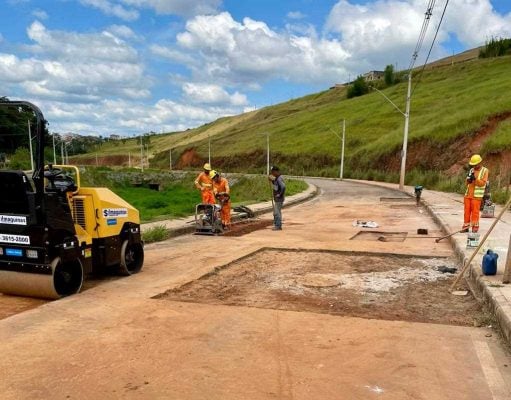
132	258
67	277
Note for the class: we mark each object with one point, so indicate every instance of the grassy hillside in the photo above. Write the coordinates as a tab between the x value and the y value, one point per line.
456	110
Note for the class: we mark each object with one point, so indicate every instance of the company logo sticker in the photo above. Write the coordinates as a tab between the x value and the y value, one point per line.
115	212
111	221
13	219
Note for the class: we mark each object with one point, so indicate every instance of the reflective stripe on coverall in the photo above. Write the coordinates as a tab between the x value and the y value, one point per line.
473	197
205	184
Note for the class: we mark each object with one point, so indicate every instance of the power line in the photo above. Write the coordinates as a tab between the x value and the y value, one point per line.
422	34
431	47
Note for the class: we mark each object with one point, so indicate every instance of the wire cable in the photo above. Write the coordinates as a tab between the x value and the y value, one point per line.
431	47
422	33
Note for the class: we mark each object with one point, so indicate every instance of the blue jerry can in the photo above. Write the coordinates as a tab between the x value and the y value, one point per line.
490	263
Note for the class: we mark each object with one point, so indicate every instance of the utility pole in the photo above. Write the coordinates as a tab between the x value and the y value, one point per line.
209	149
170	159
62	152
54	155
342	148
267	154
141	154
30	146
129	159
405	134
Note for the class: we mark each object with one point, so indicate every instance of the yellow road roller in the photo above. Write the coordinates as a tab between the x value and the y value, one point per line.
55	233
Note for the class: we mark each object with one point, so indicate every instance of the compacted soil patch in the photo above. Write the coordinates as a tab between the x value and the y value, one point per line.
377	286
243	227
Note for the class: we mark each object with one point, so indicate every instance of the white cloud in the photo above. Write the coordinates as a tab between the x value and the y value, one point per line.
73	67
122	31
40	14
172	54
385	31
128	117
185	8
111	8
204	93
475	21
80	46
295	15
250	52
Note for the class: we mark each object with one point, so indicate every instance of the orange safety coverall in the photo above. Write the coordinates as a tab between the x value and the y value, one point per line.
205	184
473	197
222	186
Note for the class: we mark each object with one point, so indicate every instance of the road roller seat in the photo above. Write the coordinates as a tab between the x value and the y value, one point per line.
16	190
59	181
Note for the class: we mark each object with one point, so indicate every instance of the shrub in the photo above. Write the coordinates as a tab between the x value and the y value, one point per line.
157	233
358	88
20	159
388	75
495	47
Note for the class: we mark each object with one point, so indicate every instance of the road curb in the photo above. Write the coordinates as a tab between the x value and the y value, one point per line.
308	194
497	304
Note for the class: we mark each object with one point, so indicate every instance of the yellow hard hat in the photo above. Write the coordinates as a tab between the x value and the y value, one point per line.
475	159
207	167
213	173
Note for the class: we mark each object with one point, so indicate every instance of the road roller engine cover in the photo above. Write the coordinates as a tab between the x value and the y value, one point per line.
54	233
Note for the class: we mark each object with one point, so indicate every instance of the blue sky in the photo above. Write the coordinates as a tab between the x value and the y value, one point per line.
132	66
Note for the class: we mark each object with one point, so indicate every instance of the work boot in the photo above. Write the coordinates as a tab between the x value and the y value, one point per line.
464	229
276	228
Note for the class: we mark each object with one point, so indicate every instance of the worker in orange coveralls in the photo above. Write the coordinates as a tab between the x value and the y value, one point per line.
222	193
476	184
205	185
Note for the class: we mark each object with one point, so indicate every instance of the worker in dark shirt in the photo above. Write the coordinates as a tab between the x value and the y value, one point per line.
279	191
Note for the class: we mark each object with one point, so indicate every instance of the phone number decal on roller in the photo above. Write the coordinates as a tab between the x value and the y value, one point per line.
17	239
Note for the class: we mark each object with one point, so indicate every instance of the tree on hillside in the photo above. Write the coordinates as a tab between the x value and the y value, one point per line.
358	88
14	127
388	75
495	47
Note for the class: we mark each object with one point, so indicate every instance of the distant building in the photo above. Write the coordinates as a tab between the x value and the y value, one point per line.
115	137
373	76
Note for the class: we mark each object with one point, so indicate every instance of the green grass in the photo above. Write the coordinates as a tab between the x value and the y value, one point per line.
177	196
155	234
500	140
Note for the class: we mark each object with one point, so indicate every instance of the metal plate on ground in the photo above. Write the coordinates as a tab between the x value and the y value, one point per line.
380	236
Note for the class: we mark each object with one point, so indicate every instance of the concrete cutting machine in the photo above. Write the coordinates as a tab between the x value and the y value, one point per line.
54	232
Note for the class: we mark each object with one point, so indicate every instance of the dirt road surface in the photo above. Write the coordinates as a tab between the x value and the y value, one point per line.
126	339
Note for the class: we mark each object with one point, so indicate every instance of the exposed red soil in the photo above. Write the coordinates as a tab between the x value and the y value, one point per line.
452	157
190	158
110	160
245	227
